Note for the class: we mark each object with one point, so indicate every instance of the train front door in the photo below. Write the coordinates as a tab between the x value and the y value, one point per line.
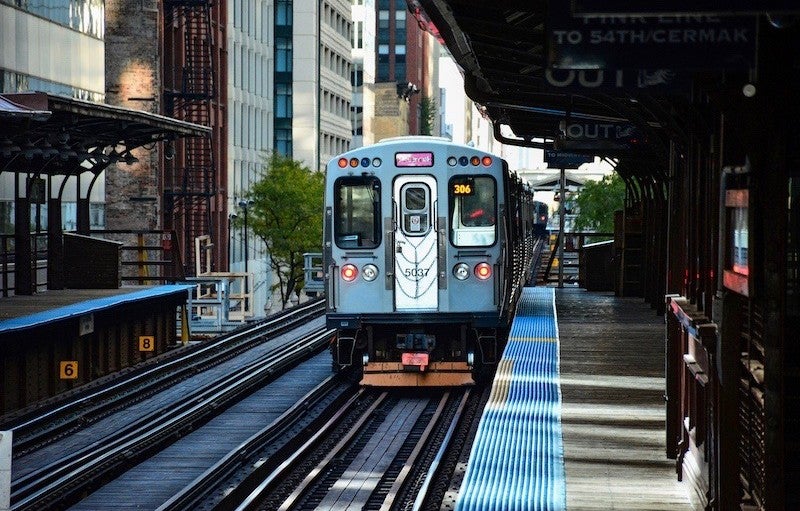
415	238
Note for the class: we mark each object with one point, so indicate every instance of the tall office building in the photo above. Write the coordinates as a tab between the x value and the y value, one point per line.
318	75
251	32
362	73
288	91
407	56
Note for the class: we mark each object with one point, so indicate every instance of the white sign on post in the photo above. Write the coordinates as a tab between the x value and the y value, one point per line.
5	470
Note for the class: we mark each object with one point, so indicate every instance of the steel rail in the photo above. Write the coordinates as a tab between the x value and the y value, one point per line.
434	468
207	483
406	470
78	470
34	429
254	498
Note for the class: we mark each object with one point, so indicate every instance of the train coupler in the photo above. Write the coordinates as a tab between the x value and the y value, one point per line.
416	341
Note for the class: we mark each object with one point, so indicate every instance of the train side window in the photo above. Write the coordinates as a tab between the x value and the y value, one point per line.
473	211
357	212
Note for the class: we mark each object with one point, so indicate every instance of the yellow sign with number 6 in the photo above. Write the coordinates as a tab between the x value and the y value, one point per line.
68	370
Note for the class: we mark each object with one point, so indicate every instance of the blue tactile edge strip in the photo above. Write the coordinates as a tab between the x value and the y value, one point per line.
517	459
87	306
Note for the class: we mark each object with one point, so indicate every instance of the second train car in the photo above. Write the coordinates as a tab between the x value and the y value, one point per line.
427	245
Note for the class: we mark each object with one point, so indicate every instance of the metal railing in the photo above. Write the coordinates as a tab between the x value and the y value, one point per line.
8	262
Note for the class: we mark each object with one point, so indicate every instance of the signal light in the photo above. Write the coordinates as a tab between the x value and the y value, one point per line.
452	160
487	160
354	162
342	163
475	161
463	161
349	273
365	162
483	271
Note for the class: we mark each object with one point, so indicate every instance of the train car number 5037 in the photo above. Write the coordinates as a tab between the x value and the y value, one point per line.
416	272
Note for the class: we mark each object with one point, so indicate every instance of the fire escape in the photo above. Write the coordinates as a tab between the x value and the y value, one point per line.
190	183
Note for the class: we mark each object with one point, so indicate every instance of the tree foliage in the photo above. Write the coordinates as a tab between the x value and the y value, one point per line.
597	202
427	108
287	214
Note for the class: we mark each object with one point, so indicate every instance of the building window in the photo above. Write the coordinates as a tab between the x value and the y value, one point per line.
283	55
383	22
283	100
283	141
283	13
356	77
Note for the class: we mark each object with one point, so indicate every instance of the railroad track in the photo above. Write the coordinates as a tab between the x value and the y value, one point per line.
74	412
379	451
77	470
268	467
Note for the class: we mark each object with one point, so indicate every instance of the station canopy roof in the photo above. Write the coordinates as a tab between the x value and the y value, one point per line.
549	78
47	134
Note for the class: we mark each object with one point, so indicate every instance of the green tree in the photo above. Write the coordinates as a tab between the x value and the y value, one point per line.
427	107
597	202
287	214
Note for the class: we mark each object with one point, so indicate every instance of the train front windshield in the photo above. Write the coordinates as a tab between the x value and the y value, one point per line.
473	206
357	212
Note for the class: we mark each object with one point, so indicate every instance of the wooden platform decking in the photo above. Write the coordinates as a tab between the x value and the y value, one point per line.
613	410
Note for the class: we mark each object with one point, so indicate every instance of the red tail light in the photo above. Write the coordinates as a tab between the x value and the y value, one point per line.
483	271
349	273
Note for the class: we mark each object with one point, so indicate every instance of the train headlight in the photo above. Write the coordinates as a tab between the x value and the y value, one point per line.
461	271
349	272
483	271
369	272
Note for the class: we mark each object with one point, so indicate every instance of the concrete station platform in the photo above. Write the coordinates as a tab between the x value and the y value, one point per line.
601	433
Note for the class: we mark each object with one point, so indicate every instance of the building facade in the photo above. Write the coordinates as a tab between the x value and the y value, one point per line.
56	47
321	91
362	72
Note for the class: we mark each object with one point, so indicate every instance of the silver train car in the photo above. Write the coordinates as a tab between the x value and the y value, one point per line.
427	245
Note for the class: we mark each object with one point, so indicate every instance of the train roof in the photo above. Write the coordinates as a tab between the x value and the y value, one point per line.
410	139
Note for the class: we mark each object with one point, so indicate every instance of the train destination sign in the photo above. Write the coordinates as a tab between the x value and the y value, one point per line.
652	7
563	160
642	42
413	159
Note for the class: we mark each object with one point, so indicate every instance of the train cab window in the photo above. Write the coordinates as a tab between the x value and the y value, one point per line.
415	205
357	211
473	211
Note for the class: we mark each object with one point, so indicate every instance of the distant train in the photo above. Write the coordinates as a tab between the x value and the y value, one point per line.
541	212
427	245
